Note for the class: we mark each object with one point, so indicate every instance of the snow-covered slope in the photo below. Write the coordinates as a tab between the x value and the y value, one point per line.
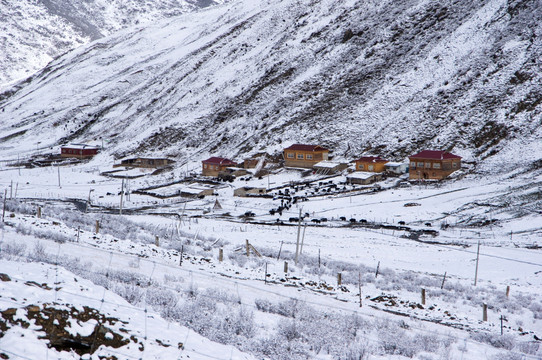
381	76
35	32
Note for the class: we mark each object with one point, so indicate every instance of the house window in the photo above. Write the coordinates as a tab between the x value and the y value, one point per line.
436	165
371	167
420	165
290	155
428	165
205	166
309	157
361	167
454	165
413	164
300	156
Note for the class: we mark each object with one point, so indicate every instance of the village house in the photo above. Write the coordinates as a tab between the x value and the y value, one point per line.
433	164
196	190
304	156
396	168
214	165
371	164
147	163
246	191
327	167
363	177
80	151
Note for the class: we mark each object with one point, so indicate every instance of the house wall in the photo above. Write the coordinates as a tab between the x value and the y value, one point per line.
303	159
78	153
370	166
421	169
212	169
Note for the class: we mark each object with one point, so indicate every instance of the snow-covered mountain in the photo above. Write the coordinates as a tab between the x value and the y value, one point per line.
384	77
35	32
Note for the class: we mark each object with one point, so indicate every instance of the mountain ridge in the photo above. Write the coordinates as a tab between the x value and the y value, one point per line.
255	76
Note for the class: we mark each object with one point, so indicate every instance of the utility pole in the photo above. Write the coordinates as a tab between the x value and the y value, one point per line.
477	258
58	170
121	196
298	235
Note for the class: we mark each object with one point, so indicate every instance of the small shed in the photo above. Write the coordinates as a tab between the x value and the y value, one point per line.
80	151
363	177
197	190
246	191
326	167
396	168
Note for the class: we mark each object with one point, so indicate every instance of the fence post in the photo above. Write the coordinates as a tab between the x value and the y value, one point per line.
220	255
377	268
359	285
4	208
339	279
39	212
286	267
443	279
156	241
97	226
423	296
507	290
484	314
248	248
181	259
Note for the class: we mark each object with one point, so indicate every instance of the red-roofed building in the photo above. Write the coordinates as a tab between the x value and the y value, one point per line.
433	164
213	165
371	164
81	151
304	156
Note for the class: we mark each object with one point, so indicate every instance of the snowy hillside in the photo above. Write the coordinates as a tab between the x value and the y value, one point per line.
35	32
385	77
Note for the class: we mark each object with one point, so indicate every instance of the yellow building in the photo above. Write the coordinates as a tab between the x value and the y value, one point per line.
371	164
304	156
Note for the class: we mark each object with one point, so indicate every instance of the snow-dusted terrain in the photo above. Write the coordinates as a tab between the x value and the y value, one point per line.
252	76
35	32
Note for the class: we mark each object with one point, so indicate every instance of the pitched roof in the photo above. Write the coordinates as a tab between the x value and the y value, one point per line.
303	147
218	161
434	155
373	159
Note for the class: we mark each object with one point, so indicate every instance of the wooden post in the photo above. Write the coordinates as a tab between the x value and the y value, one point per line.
298	235
339	279
443	279
477	258
156	241
11	190
248	248
359	287
265	277
4	208
121	197
58	169
484	314
423	296
501	325
377	268
286	267
39	212
181	259
318	259
507	290
97	226
16	188
220	255
280	249
303	238
78	231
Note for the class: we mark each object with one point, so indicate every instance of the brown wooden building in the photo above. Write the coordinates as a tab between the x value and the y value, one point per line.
433	164
214	165
80	151
304	156
371	164
148	163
